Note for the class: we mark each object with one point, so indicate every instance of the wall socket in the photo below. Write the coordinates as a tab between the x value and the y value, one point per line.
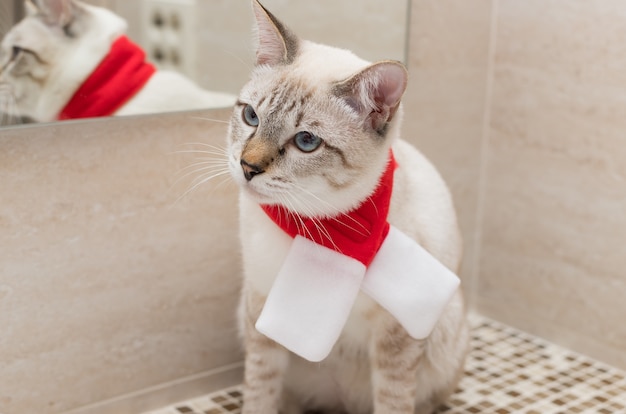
169	34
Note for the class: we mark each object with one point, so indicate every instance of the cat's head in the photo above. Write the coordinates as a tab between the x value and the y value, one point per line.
313	127
50	53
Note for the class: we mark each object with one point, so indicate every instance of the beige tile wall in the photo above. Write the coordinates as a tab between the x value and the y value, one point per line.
554	245
7	13
541	88
109	284
375	29
445	101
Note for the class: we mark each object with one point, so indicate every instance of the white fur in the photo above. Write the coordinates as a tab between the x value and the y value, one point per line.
65	63
422	208
170	91
353	105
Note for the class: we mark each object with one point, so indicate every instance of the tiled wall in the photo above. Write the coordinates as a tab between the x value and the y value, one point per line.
374	29
445	102
225	51
554	238
7	14
110	282
540	86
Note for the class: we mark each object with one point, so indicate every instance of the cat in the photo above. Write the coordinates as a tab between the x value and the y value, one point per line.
45	58
311	132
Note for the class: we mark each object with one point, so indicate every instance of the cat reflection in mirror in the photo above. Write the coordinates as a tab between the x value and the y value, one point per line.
67	59
314	134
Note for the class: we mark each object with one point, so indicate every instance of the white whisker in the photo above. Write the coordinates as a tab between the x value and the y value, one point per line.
200	181
286	204
224	181
363	230
207	149
297	218
197	152
371	201
204	144
211	162
208	172
209	169
221	121
322	231
245	63
207	161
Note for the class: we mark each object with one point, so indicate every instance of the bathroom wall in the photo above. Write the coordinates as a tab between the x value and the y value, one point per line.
7	13
224	54
521	106
111	277
554	233
375	29
445	102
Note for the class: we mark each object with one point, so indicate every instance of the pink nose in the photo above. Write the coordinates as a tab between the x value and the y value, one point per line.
250	170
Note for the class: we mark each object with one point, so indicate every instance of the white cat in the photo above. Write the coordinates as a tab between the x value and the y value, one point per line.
311	134
46	58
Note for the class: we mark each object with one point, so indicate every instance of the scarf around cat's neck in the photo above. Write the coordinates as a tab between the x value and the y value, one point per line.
118	77
357	234
330	260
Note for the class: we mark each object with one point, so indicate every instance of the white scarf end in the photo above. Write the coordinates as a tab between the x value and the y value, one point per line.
410	283
311	299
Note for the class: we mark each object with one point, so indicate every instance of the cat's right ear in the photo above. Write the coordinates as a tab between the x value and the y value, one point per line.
375	92
30	8
276	44
56	12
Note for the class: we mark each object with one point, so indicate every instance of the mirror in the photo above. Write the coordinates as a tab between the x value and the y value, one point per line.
201	50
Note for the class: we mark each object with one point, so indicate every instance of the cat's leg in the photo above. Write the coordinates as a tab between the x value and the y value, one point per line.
290	404
395	359
428	407
265	364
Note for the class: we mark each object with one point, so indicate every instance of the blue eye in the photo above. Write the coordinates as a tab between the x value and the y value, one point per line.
307	142
249	116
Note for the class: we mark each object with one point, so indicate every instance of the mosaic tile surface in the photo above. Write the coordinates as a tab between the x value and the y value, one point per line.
507	371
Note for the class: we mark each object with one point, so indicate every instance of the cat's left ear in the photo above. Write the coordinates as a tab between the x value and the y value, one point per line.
276	44
375	92
56	12
30	8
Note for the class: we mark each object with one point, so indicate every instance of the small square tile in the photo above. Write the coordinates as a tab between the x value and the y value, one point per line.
507	371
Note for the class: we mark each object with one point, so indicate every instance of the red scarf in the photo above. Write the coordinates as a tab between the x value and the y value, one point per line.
120	75
358	234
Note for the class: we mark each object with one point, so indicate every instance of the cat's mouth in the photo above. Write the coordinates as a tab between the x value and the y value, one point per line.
253	188
262	193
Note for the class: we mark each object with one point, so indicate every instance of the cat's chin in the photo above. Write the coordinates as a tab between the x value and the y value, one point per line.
269	200
257	196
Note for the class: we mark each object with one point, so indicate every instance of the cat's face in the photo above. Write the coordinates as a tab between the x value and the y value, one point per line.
47	56
313	127
28	54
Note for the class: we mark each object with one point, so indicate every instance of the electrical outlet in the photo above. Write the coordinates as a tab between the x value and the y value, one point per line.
169	34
